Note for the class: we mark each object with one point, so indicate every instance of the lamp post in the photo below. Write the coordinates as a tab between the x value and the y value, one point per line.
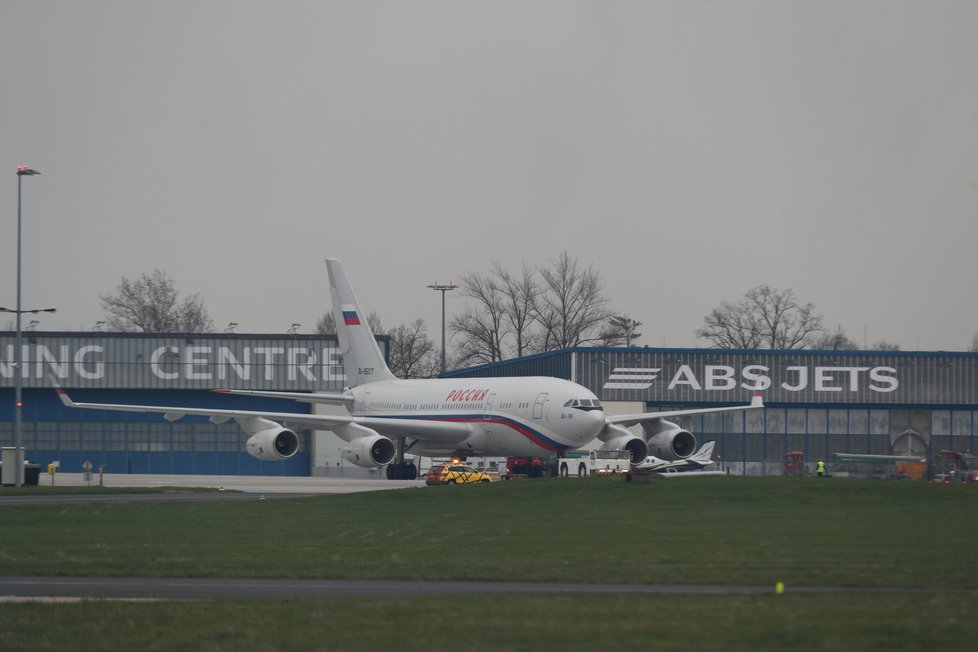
443	288
22	171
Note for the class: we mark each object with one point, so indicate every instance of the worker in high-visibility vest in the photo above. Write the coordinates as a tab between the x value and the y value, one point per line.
820	468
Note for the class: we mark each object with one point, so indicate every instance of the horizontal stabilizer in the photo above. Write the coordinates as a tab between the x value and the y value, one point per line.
690	474
63	395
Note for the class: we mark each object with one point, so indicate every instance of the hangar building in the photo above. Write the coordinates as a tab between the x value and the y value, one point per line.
172	370
817	402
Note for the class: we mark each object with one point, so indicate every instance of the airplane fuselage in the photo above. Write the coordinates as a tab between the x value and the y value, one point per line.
505	416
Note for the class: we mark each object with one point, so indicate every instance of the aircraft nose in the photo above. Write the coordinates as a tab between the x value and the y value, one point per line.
594	422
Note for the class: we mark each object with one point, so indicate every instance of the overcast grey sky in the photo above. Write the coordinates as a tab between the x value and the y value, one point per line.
687	150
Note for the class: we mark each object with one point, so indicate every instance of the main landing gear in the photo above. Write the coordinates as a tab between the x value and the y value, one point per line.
402	471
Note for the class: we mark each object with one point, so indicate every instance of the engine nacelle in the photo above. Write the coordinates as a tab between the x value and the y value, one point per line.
668	441
625	440
369	450
273	444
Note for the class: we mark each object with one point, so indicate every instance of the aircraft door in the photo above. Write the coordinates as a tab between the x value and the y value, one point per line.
538	405
487	407
489	426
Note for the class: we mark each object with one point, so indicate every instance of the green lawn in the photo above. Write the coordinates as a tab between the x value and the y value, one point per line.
803	531
571	622
723	530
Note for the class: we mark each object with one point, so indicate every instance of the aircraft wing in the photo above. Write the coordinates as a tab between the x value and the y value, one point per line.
757	401
865	457
442	432
302	397
428	430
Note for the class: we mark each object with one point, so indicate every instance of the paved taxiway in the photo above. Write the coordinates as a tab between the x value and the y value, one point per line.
237	487
248	483
163	588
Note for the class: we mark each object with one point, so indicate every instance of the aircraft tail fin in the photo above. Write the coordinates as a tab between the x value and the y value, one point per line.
704	454
362	358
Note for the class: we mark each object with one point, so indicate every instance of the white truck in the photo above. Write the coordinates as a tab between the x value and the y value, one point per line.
594	462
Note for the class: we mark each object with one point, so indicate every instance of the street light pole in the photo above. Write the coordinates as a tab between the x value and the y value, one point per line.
443	288
22	171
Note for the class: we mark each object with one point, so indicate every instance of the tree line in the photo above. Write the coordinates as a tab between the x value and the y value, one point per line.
505	314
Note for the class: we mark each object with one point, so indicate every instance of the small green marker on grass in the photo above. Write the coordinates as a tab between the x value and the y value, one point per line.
779	587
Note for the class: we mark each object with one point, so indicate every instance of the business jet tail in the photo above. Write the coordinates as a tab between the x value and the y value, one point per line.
704	456
362	358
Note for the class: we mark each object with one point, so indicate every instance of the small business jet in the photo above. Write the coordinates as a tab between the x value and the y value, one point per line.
696	461
387	418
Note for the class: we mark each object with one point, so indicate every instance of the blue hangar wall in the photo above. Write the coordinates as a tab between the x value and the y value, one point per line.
171	370
817	402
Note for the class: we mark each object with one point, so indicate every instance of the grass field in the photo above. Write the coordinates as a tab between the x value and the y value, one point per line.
800	531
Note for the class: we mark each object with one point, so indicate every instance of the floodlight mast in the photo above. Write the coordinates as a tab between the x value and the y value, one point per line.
443	288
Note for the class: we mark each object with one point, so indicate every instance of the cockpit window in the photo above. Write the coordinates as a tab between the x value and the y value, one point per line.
585	404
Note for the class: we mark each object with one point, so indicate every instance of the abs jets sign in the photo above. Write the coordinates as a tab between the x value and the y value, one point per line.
793	378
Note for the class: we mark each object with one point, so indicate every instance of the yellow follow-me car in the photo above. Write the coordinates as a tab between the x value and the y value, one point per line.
455	474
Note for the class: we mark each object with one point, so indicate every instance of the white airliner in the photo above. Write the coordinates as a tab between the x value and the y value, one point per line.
387	417
697	460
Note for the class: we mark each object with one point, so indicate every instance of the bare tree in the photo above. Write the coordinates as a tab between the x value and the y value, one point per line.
571	306
836	340
151	304
764	318
520	307
326	325
480	329
514	315
413	352
619	331
974	343
883	345
477	336
501	322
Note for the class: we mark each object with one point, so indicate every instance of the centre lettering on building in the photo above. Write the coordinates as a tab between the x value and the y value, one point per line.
153	364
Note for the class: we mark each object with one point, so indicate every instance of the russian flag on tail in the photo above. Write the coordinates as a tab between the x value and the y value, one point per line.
350	318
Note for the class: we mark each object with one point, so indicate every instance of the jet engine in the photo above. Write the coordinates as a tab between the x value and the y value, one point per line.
667	441
273	444
369	450
619	438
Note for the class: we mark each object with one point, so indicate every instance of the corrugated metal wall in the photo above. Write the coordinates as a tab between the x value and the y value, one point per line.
179	369
140	442
818	403
703	376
